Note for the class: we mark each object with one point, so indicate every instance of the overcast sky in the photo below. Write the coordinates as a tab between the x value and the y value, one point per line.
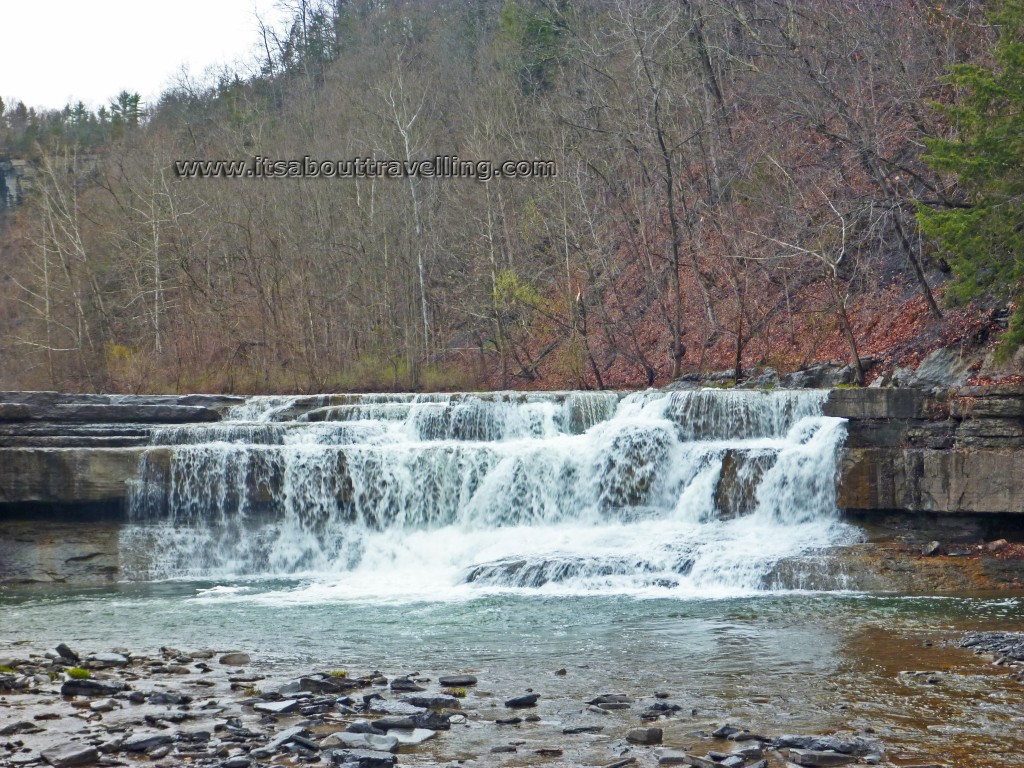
60	51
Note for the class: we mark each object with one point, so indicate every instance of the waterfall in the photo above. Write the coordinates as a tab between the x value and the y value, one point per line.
693	493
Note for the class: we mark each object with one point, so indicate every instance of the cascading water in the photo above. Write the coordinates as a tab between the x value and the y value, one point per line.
690	494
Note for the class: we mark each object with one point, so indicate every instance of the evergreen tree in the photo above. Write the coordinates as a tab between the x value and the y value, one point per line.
983	231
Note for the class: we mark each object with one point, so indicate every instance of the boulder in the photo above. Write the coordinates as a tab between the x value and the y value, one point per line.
644	736
71	754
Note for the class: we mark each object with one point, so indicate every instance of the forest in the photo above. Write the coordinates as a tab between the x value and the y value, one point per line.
740	184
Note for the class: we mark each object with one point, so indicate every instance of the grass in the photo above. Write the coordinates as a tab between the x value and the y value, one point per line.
458	693
77	673
338	673
6	670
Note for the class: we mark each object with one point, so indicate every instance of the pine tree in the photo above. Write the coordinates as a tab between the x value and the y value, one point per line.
983	232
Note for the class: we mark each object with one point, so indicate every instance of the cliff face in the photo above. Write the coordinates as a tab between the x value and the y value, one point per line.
948	451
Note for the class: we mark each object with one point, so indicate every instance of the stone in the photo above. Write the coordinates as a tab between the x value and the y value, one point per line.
143	742
377	743
943	368
395	708
931	549
109	660
995	546
92	688
235	659
677	757
503	749
611	698
819	759
238	761
433	702
412	738
362	758
66	653
287	736
645	736
103	705
548	752
508	721
526	700
405	685
435	721
457	681
620	763
577	729
365	726
71	754
283	707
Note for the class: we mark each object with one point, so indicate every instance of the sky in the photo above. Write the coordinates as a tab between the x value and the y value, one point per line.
60	51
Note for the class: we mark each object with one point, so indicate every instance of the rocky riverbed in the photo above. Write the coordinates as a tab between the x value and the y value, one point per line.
219	708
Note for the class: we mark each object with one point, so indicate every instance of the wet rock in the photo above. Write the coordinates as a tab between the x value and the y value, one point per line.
620	763
320	685
103	705
645	736
611	698
508	721
503	750
577	729
457	681
359	758
434	721
674	757
816	759
92	688
235	659
433	702
725	731
283	707
388	723
405	685
71	754
108	660
526	700
548	752
395	708
532	718
365	726
24	726
295	734
67	654
238	761
855	746
370	741
143	742
169	699
413	738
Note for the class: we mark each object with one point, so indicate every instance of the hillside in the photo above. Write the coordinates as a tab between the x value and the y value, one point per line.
736	186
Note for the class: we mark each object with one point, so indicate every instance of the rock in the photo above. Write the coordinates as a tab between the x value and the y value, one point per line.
943	368
433	702
548	752
387	723
287	736
377	743
413	738
235	659
283	707
456	681
674	757
931	549
816	759
526	700
620	763
732	761
508	721
502	750
577	729
71	754
109	660
238	761
322	685
611	698
25	726
995	546
405	685
90	688
361	758
170	699
614	705
103	705
365	726
645	736
143	742
434	721
67	654
396	708
822	376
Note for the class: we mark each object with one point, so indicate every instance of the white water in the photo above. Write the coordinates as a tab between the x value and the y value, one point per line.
405	497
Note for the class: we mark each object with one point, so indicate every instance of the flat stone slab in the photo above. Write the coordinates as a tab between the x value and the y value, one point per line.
71	754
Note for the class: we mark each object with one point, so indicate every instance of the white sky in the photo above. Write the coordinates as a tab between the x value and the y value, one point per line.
59	51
